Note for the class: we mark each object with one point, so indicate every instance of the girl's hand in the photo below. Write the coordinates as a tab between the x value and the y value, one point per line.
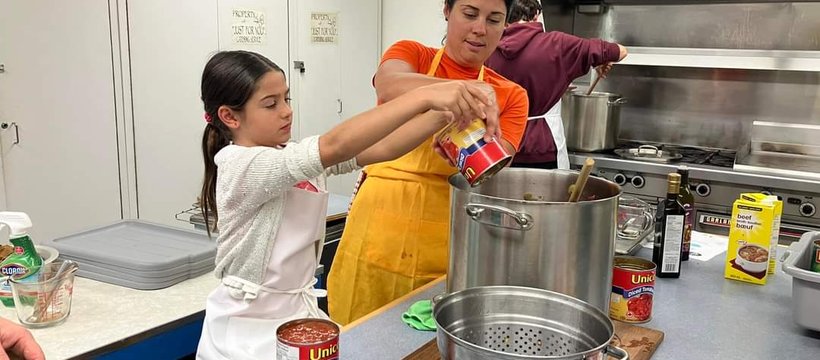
464	100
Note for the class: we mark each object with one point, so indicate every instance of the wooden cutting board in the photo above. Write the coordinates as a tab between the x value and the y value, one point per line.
640	342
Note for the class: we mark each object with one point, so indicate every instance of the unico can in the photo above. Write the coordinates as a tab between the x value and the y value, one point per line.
307	339
633	287
475	158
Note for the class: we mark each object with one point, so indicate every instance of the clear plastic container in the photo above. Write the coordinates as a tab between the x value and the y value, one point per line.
634	217
44	299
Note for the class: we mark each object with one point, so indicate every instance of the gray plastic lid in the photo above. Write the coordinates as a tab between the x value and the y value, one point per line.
138	245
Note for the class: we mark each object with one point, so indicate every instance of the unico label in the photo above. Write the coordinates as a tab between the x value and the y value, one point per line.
475	158
633	289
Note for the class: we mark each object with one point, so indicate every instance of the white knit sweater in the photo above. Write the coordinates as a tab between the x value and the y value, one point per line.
251	183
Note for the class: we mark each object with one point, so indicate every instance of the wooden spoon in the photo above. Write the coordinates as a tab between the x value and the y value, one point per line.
594	82
581	181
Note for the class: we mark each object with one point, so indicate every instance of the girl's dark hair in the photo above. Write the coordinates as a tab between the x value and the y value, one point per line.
229	79
526	10
451	3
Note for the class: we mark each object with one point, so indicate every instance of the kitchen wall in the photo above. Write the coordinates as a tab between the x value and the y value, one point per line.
419	20
701	74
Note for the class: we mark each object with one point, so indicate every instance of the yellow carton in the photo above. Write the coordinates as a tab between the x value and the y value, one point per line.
750	239
778	212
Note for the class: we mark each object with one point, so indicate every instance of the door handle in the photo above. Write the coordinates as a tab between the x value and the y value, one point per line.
6	125
299	65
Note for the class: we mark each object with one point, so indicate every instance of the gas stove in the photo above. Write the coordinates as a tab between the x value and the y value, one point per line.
715	184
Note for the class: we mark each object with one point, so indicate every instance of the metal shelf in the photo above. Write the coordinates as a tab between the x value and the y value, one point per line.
724	58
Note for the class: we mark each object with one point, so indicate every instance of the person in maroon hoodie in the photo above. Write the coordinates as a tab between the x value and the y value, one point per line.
545	64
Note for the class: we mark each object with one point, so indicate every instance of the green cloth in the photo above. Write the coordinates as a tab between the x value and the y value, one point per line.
420	316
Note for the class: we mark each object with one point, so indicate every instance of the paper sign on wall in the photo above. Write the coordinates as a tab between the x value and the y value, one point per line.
323	28
248	26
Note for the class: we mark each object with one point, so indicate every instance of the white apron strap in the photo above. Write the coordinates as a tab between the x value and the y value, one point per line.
556	125
308	293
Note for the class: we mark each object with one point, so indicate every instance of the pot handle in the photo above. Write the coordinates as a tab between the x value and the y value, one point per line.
615	351
520	220
618	101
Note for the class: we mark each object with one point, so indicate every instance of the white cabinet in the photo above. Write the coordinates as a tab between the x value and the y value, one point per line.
337	81
106	97
57	88
170	42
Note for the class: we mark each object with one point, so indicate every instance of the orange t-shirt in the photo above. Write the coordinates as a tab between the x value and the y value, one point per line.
511	97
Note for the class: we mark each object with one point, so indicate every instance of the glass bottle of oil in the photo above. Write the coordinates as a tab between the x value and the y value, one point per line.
688	202
669	231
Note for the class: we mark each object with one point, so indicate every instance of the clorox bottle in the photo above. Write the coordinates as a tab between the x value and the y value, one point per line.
24	260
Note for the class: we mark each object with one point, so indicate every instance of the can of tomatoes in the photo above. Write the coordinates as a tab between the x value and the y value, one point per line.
476	159
633	287
307	339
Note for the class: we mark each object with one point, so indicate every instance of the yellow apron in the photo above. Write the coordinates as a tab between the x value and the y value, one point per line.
397	233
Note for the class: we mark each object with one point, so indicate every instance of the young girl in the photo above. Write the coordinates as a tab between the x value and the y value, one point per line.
268	197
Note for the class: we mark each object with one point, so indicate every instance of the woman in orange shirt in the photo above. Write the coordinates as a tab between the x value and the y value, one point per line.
397	231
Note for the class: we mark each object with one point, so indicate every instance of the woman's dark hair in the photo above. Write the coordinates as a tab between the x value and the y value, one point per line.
229	79
526	10
451	3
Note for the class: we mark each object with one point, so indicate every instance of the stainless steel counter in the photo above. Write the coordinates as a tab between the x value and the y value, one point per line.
703	315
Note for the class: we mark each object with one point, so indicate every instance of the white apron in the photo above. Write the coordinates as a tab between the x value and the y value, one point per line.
236	329
556	125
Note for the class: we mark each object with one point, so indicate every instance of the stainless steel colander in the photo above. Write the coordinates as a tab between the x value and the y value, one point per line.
509	322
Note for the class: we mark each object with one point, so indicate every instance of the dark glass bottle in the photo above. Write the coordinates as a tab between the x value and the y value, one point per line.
669	231
687	200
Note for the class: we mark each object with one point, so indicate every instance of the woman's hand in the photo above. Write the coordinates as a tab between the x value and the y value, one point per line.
604	69
491	112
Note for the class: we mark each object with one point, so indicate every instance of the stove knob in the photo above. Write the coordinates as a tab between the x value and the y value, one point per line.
638	181
619	179
807	209
703	190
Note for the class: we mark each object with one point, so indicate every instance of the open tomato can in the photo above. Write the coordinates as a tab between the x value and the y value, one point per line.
476	159
633	289
307	339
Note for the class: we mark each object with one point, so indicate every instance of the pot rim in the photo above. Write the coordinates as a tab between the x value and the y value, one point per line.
476	195
596	94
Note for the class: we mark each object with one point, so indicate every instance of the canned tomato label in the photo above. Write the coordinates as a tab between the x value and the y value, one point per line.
475	158
307	339
633	287
815	258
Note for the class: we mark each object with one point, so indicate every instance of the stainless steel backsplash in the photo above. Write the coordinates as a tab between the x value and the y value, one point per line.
773	26
709	107
712	107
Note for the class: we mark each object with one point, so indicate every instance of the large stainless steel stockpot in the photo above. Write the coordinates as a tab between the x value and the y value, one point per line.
499	238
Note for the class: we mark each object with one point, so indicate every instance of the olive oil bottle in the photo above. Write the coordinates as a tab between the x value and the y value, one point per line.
669	231
688	202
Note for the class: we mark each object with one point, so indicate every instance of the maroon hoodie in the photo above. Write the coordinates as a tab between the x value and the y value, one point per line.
545	64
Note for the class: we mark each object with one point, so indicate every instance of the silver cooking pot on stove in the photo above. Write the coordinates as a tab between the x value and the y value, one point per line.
517	228
591	122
